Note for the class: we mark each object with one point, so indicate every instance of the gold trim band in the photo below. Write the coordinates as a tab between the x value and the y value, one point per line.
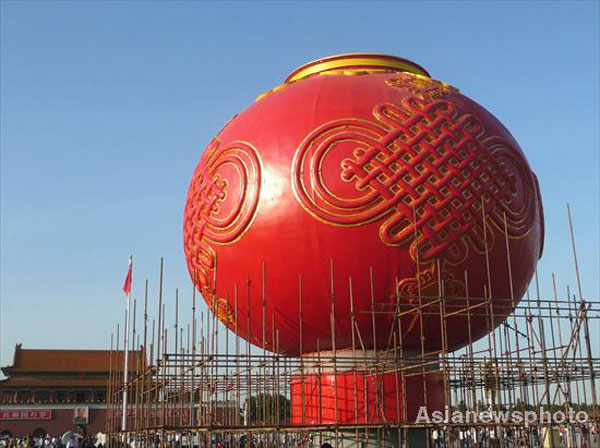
356	61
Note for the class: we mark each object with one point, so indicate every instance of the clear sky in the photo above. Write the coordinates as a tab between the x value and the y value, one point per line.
106	107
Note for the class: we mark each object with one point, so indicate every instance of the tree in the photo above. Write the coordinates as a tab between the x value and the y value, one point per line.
263	408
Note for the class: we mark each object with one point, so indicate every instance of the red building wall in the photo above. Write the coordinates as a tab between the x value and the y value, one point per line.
61	421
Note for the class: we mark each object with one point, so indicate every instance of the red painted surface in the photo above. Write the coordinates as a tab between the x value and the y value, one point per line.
362	397
60	421
334	169
26	414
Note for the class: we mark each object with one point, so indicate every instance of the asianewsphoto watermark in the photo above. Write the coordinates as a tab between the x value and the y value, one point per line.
525	418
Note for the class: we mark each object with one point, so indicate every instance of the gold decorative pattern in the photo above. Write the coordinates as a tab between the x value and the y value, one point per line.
420	86
420	156
427	279
224	311
222	203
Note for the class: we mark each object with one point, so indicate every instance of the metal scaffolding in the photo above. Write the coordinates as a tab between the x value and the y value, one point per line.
201	385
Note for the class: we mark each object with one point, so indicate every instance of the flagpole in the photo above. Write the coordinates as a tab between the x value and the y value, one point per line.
126	356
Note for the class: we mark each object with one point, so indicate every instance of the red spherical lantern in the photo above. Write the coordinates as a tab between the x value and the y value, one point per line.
359	187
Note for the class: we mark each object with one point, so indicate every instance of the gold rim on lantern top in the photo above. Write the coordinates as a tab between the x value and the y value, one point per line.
354	61
351	64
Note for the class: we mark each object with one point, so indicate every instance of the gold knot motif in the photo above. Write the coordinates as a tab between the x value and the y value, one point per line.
222	203
423	171
420	86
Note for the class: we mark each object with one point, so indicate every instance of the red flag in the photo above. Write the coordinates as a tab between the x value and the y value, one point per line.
127	284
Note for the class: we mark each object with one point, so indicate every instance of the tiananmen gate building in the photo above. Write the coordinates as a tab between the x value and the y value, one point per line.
53	391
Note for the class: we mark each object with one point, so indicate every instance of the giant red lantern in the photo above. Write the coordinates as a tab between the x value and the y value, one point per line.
360	182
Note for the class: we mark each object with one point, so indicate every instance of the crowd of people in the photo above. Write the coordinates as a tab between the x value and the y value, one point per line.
75	441
515	437
464	437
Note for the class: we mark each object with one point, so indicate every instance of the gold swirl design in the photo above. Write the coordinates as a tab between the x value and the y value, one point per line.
420	86
421	157
222	202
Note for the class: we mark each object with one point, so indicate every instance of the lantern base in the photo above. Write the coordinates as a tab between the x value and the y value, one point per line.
334	390
359	439
384	438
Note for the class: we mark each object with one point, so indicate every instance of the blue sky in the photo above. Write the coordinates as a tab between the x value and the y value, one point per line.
106	107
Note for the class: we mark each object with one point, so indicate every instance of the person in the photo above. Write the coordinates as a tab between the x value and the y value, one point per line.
492	437
435	436
81	413
585	435
483	438
326	445
507	436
